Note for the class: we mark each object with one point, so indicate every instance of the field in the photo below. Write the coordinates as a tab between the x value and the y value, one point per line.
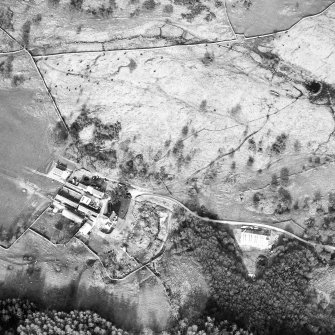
23	151
258	17
207	147
68	277
149	231
104	25
7	44
166	99
55	227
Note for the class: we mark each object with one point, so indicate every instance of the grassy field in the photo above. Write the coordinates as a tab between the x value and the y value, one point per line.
103	25
7	44
257	17
27	119
55	227
67	277
206	147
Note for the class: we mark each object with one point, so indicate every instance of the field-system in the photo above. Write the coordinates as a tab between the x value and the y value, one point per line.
170	160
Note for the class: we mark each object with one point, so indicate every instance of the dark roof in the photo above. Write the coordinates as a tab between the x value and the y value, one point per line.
123	209
61	166
90	208
68	196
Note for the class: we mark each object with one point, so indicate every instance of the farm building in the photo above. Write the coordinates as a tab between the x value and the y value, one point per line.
254	239
72	216
63	199
86	228
88	210
59	171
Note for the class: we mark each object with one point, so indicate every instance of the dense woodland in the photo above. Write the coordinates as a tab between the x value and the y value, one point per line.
279	300
23	318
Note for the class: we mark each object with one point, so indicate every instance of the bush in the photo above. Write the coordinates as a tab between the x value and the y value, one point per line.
26	33
279	145
53	3
284	201
250	161
76	4
60	134
6	18
37	19
17	80
6	67
208	58
284	176
168	9
256	198
274	180
297	146
178	148
184	131
149	4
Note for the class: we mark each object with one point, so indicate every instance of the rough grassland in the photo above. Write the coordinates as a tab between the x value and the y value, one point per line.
257	17
102	25
67	277
27	119
221	110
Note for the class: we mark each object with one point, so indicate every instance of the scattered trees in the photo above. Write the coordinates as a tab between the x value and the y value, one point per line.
60	134
256	198
208	58
76	4
278	301
297	146
184	130
284	201
149	4
37	18
168	9
6	18
284	176
274	180
53	3
250	161
279	145
17	80
25	31
96	150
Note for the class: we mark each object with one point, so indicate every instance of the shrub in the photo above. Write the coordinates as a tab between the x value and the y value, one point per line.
284	201
60	134
178	147
250	161
279	145
252	145
256	198
53	3
6	18
76	4
26	33
284	176
168	9
6	67
37	19
297	146
184	131
149	4
317	196
17	79
208	58
203	105
274	180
